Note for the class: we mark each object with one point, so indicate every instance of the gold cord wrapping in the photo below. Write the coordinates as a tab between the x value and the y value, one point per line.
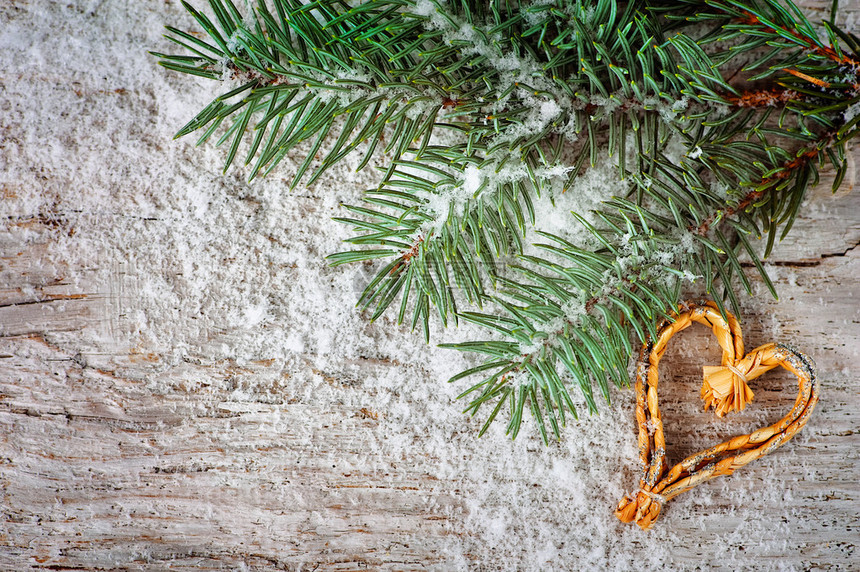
725	389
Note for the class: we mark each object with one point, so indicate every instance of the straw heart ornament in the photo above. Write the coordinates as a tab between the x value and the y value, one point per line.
726	389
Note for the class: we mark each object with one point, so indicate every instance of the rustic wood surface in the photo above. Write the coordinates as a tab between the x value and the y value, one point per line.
118	451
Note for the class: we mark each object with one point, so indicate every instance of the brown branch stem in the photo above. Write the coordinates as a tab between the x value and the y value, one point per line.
761	98
807	43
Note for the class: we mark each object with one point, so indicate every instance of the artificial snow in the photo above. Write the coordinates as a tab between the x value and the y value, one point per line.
851	112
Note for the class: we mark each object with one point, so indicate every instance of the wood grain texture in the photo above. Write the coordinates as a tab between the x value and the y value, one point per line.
119	449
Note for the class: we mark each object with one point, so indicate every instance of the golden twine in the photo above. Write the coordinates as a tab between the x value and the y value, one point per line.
725	389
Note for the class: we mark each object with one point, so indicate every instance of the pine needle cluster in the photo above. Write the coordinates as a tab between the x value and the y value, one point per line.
714	118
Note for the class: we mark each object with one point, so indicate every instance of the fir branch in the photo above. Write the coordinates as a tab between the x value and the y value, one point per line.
768	183
550	326
486	108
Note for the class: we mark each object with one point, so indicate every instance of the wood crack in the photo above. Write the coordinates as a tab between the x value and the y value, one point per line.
809	263
51	298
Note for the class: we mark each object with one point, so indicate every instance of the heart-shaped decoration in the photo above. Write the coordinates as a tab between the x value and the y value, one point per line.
725	389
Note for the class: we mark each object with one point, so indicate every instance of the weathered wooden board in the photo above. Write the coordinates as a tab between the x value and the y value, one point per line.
189	443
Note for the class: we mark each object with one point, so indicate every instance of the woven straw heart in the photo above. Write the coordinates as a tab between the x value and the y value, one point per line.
725	389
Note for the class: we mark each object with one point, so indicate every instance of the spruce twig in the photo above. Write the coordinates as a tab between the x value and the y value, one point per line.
716	117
